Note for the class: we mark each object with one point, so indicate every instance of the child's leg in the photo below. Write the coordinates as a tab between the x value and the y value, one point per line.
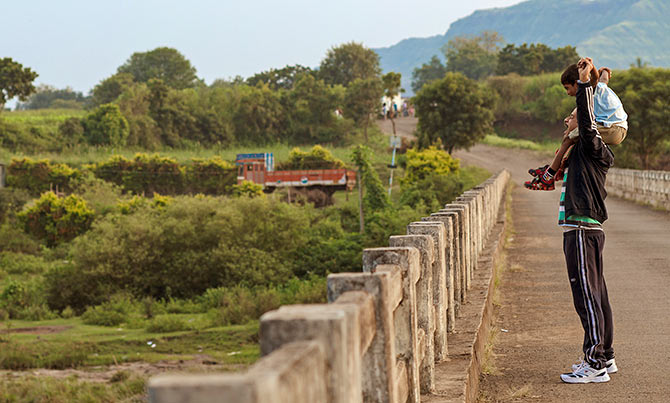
556	163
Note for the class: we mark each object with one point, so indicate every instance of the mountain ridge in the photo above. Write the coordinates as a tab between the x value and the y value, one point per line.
614	32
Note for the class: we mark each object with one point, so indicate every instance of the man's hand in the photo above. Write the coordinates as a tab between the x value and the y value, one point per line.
585	65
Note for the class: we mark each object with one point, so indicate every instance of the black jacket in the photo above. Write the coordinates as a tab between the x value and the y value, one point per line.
588	164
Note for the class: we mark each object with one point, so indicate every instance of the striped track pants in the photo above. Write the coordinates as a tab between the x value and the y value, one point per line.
583	251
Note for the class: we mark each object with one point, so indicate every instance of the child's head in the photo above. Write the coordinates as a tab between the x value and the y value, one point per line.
569	79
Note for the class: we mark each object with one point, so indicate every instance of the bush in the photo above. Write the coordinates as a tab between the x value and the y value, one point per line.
68	287
317	158
111	313
12	200
24	300
143	174
40	176
213	176
57	219
20	263
167	324
106	125
13	239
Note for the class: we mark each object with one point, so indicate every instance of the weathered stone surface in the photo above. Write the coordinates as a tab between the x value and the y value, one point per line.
424	306
436	230
365	311
451	267
378	365
405	316
463	246
331	325
294	373
649	187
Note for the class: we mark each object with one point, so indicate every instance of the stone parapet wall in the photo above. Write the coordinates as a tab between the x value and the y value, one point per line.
649	187
383	329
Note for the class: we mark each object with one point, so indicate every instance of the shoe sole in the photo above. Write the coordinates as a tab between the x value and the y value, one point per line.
599	379
612	369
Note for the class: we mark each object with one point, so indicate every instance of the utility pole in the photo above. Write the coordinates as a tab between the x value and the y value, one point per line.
395	143
361	220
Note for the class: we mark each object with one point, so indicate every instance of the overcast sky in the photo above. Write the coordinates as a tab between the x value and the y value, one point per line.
77	43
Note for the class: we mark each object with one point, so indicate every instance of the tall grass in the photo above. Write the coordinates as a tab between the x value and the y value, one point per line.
497	141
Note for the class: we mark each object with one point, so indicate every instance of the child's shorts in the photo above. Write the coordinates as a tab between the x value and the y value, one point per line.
612	135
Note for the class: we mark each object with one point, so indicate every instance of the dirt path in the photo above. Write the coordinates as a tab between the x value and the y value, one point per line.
404	127
542	335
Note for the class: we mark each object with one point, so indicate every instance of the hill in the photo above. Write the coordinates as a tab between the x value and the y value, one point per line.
614	32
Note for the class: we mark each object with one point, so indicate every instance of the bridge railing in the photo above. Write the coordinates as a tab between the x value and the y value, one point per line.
381	332
649	187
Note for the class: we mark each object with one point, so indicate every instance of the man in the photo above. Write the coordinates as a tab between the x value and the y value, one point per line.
582	211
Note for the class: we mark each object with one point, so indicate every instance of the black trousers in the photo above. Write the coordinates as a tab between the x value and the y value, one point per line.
583	251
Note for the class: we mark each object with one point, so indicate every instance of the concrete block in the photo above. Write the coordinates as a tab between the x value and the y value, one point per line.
331	325
405	316
378	364
451	266
424	306
296	373
436	230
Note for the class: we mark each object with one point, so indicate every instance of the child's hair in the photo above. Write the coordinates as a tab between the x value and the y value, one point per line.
570	75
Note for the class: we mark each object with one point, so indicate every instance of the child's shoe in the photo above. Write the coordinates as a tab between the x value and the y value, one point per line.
538	171
540	184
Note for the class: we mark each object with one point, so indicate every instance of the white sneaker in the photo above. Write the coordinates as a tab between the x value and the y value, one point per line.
586	374
610	365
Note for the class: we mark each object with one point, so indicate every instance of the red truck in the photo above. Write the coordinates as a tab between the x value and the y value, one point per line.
259	168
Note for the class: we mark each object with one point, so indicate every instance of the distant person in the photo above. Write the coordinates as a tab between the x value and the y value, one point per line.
610	117
395	109
384	110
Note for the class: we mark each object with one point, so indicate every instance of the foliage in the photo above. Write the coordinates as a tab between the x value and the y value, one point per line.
247	189
105	125
361	101
56	219
317	158
534	59
15	81
257	116
310	108
284	78
40	176
454	110
348	62
11	201
375	197
164	63
20	357
474	57
209	176
431	71
167	324
644	93
24	300
109	89
46	96
428	162
111	313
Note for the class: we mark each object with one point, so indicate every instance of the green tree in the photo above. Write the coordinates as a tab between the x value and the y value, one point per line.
534	59
475	57
46	96
259	117
106	125
431	178
109	89
15	81
454	110
361	101
163	63
431	71
644	93
391	84
310	108
284	78
345	63
376	198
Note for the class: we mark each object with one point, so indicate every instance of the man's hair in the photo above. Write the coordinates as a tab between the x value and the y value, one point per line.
570	75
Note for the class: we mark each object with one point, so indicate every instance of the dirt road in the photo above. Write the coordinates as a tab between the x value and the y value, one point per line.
542	334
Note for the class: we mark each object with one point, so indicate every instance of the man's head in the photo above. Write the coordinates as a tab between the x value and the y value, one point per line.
571	121
569	79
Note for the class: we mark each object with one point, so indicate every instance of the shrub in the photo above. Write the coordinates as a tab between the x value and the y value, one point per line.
13	239
24	300
12	201
111	313
40	176
317	158
212	176
247	189
106	125
143	174
57	219
166	324
68	287
20	263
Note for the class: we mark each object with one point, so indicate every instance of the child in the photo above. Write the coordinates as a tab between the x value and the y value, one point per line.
611	122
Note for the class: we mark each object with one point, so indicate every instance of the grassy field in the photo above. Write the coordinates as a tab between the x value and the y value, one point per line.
497	141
